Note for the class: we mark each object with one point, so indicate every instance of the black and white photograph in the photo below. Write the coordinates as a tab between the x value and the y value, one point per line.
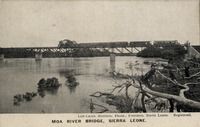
99	56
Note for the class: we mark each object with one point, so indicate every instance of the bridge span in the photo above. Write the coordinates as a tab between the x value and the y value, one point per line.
122	48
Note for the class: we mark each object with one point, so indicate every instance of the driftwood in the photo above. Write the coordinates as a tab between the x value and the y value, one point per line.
194	75
122	103
181	99
100	94
92	107
148	94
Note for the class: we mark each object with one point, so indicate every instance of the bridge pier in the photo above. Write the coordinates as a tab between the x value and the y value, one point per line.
112	62
38	56
1	57
112	50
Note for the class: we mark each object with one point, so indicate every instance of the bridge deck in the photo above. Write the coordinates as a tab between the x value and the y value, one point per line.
95	45
104	48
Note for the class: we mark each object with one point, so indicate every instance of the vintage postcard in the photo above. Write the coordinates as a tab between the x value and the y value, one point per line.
99	63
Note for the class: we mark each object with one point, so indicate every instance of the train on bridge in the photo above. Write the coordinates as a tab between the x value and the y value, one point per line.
119	44
73	49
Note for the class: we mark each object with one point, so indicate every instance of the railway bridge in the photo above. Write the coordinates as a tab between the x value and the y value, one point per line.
122	48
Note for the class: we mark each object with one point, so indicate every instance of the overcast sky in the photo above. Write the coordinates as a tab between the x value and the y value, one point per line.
44	23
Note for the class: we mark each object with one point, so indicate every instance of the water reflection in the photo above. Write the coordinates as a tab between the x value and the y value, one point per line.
1	62
71	89
42	92
71	82
38	65
64	72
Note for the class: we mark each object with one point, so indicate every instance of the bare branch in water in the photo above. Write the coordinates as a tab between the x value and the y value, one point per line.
150	94
99	94
92	107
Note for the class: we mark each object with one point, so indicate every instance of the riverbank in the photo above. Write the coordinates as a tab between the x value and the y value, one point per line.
169	87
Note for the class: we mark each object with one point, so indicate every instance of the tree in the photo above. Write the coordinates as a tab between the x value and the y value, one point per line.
157	91
167	50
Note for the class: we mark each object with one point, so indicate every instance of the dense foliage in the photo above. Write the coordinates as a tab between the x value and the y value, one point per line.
166	50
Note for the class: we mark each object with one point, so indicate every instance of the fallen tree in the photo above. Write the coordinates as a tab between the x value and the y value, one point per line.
149	92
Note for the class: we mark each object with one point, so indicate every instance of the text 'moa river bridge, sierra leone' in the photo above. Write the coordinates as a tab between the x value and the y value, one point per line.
122	48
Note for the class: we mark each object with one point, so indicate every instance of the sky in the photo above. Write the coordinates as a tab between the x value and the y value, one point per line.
45	23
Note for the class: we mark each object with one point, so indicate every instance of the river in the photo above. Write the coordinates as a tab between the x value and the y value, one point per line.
18	76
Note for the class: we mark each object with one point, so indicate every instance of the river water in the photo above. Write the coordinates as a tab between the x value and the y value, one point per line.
18	76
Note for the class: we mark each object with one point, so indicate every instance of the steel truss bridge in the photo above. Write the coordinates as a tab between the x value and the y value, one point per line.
122	48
